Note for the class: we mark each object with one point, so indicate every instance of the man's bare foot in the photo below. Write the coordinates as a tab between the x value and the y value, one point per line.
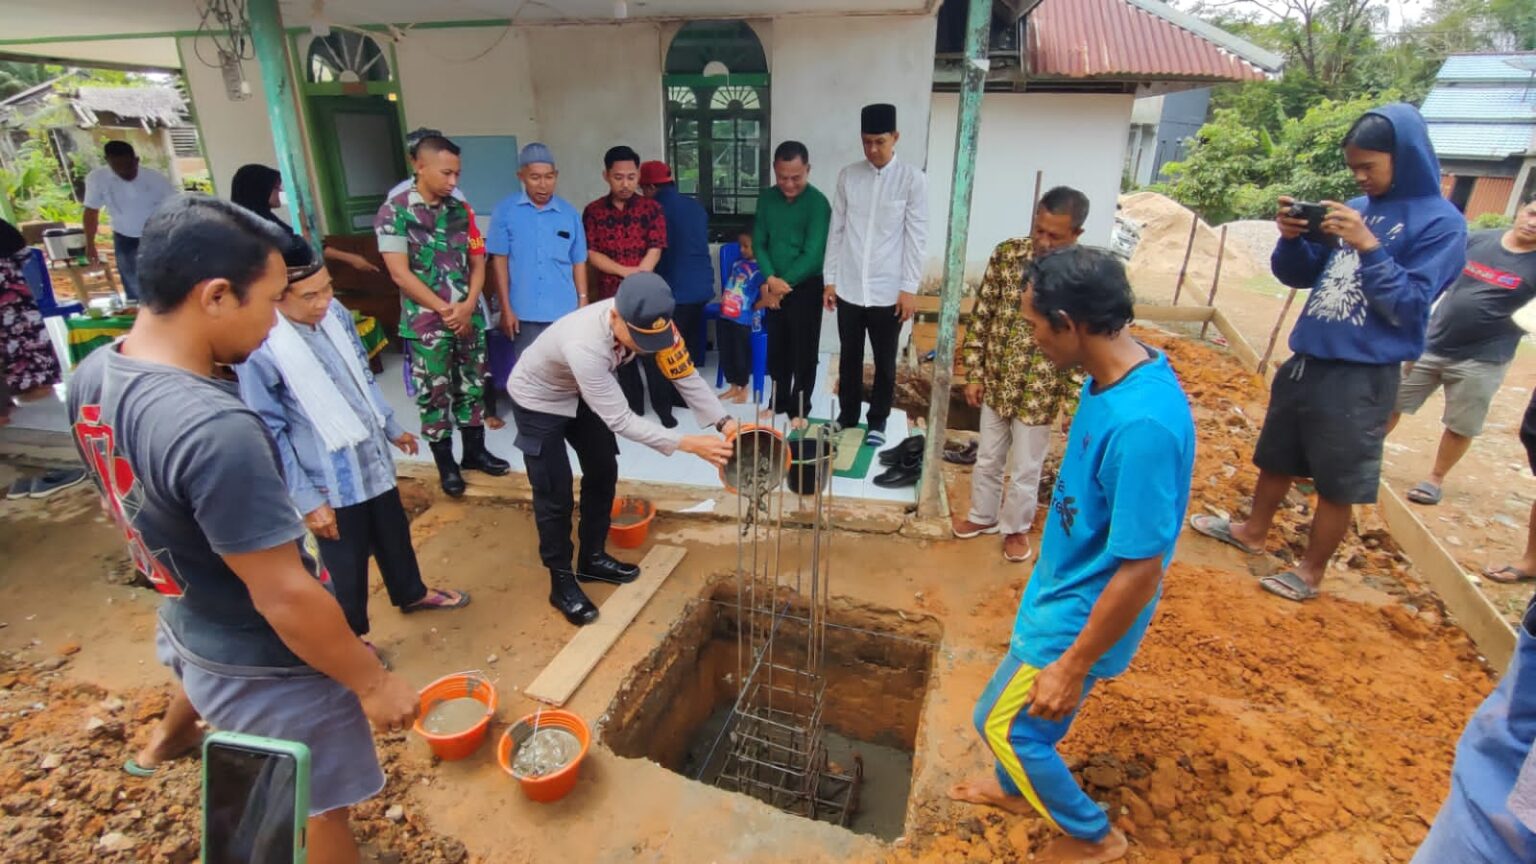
1070	850
799	423
740	396
989	793
494	422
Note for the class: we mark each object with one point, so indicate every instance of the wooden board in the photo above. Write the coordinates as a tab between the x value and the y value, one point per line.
581	655
1489	631
928	304
1198	314
1236	342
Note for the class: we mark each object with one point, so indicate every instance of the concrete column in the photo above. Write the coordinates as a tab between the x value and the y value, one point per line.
978	24
282	112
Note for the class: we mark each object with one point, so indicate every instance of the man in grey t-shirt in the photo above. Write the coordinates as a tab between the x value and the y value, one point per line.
564	390
191	476
1471	341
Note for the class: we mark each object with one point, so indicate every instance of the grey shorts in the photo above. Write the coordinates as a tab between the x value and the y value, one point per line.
1470	386
1327	420
291	704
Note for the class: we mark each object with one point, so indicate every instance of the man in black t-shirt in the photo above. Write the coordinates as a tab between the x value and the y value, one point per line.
249	625
1471	341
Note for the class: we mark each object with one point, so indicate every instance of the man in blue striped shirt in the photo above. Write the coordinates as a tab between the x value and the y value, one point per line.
310	384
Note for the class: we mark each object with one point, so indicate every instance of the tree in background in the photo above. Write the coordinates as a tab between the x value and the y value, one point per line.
16	77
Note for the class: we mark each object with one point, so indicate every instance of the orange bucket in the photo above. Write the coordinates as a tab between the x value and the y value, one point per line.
550	787
632	535
458	685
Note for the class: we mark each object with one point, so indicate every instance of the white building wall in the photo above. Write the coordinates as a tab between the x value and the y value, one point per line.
1078	140
468	81
233	133
595	87
827	68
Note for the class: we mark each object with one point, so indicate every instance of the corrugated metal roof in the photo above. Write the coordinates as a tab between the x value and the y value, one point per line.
1488	67
1499	104
1481	140
1119	39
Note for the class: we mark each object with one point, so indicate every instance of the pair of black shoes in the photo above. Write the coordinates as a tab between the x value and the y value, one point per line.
904	464
476	458
565	592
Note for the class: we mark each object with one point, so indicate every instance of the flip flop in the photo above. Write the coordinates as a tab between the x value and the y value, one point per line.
1515	575
1425	493
1288	585
436	599
132	767
1218	528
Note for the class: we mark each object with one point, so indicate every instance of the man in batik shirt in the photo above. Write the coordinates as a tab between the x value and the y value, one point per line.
436	255
1019	391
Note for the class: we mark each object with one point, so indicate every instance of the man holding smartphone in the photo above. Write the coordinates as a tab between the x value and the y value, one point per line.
250	626
1387	255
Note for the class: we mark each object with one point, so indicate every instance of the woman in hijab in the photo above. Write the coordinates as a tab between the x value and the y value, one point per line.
28	366
259	189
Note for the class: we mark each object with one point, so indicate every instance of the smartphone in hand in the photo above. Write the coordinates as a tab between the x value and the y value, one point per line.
1314	214
255	800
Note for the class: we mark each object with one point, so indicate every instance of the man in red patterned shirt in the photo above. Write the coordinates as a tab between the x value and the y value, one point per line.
625	235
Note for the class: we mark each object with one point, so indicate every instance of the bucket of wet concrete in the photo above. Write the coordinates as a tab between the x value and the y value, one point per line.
454	713
543	752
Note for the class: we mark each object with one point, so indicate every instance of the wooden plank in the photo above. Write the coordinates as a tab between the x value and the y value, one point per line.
1494	636
1235	342
580	655
928	304
1149	312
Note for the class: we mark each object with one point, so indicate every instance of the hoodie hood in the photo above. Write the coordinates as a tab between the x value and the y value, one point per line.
1415	168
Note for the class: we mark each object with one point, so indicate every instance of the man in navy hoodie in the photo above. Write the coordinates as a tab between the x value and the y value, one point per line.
1386	257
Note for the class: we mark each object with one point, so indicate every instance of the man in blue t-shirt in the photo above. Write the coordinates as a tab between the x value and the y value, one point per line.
1115	515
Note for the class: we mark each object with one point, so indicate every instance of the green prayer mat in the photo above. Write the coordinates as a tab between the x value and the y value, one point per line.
853	455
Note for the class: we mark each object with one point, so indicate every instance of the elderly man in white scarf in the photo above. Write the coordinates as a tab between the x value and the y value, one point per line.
310	384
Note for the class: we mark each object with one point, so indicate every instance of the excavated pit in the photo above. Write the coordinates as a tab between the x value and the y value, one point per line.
675	703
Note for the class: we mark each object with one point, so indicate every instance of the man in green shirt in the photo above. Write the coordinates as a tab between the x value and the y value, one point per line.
790	237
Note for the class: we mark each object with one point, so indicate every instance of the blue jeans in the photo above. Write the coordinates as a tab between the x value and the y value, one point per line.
127	251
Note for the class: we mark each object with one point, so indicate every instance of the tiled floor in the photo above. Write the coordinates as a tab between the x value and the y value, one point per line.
636	462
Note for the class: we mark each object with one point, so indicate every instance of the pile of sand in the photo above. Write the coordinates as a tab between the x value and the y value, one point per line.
1164	233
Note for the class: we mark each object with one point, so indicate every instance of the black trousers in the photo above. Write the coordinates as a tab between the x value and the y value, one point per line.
794	344
734	343
883	327
542	438
379	528
655	383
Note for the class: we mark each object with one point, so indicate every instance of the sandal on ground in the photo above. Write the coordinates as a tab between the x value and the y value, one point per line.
1218	528
1289	585
494	422
1029	552
1425	493
132	767
437	599
1507	575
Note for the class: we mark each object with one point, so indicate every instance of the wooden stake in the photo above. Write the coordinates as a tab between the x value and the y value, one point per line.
1221	251
1274	335
1189	246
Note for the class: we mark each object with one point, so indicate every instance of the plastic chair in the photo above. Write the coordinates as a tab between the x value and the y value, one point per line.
35	271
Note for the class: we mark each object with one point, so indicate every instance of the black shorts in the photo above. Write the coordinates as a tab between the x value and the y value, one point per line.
1528	433
1327	420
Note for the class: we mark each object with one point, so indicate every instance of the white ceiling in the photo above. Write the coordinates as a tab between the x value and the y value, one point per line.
52	19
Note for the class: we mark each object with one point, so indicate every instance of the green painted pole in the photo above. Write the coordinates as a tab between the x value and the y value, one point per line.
977	28
282	112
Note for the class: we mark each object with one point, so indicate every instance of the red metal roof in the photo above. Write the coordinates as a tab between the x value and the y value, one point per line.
1115	39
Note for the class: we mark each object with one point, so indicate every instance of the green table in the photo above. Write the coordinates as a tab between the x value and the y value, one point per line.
86	334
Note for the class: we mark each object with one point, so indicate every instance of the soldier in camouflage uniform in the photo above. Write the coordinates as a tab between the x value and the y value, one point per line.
1019	391
436	255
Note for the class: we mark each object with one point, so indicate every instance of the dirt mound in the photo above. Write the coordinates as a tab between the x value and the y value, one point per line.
1250	729
1164	233
65	797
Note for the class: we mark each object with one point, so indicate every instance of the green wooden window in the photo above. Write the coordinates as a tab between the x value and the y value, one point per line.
717	120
